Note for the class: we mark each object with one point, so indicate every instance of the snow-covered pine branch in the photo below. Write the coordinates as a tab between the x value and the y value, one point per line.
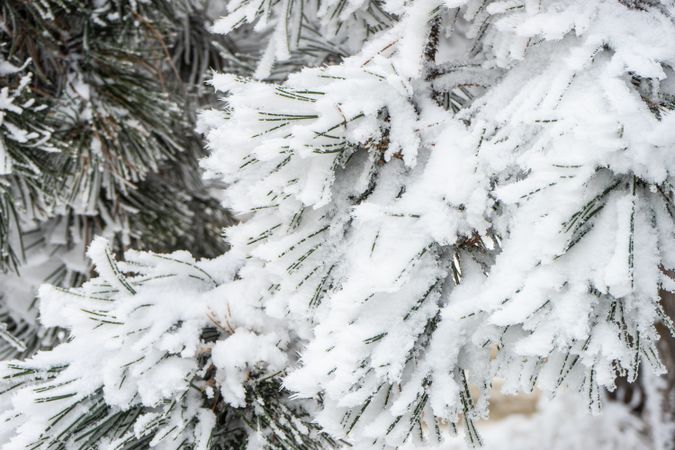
25	142
27	147
578	133
482	175
161	352
347	239
297	33
96	118
475	189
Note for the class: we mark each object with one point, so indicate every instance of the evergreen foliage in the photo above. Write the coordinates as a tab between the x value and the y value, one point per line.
431	194
99	141
155	382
